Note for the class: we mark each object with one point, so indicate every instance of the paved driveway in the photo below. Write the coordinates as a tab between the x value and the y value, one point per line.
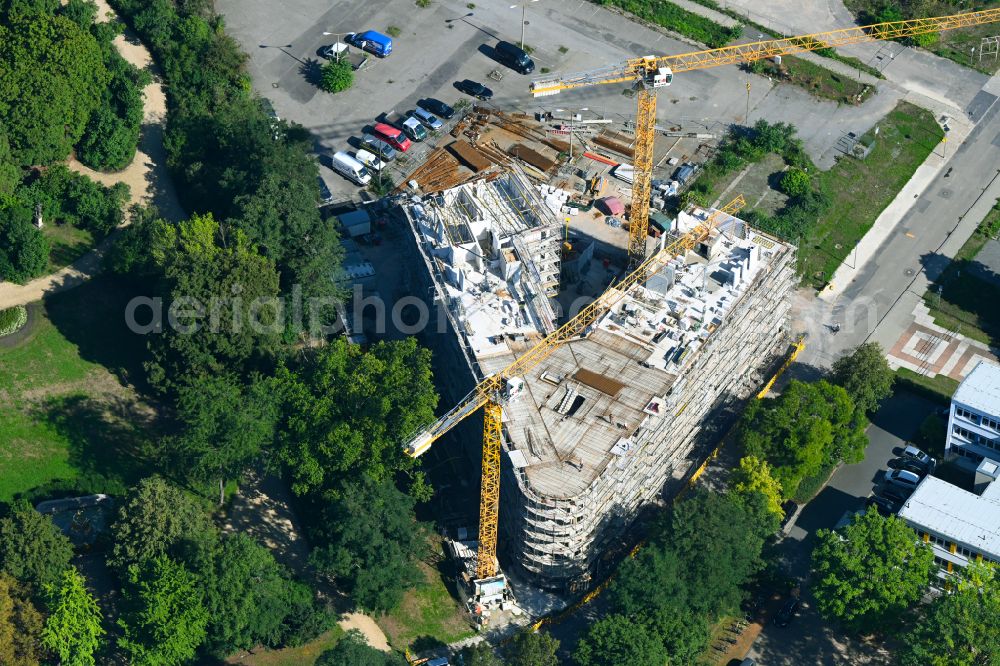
431	54
810	639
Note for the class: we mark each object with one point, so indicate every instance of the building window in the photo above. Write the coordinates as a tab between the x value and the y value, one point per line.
966	414
992	424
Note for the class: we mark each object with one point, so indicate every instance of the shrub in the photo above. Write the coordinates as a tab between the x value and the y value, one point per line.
925	40
423	3
75	199
393	31
795	182
381	184
12	319
336	76
681	21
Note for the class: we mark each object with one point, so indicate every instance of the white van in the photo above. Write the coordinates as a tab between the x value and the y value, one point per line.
369	160
350	168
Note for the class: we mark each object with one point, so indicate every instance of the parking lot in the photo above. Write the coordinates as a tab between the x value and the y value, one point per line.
442	44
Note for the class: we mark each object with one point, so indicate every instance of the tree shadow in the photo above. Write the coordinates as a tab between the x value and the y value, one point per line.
108	439
312	71
425	643
967	289
92	317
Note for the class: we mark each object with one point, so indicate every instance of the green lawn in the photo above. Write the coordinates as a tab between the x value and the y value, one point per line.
957	45
938	387
69	243
66	420
860	190
428	616
304	655
961	301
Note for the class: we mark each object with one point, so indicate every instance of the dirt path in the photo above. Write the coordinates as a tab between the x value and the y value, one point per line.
146	177
262	509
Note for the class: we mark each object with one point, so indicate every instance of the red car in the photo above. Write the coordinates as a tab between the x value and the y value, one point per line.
392	136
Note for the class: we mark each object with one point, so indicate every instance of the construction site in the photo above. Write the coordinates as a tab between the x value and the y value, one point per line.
515	239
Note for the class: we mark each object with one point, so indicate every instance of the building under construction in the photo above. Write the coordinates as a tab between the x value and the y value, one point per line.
596	431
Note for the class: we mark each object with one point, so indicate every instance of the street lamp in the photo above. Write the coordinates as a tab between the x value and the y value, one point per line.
524	9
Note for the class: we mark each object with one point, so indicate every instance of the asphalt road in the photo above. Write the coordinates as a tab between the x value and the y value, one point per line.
431	54
809	639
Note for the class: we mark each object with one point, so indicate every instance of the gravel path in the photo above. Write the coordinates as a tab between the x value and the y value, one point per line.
146	177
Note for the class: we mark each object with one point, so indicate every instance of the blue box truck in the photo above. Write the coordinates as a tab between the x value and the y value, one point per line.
374	42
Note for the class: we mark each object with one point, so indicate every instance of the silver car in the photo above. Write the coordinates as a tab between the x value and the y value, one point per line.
379	147
426	118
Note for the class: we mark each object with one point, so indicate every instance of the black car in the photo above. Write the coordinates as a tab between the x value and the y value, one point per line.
787	613
884	505
475	89
437	107
893	493
909	465
514	57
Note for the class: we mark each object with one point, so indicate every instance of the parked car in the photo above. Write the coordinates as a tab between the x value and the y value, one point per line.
325	195
514	57
902	478
392	136
371	41
412	128
475	89
350	168
893	493
913	453
884	505
330	52
370	160
426	118
909	464
437	107
379	147
787	612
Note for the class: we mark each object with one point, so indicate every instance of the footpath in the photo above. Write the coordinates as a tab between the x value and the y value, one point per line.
147	178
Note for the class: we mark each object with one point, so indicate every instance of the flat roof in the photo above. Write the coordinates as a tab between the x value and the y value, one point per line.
980	389
956	514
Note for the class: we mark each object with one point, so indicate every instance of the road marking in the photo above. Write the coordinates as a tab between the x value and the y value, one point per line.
909	235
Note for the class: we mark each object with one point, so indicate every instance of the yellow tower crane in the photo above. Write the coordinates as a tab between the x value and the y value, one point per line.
647	73
496	389
651	72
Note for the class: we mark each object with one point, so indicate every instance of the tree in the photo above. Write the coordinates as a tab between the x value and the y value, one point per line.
961	628
368	540
336	76
164	621
755	476
157	518
533	648
223	298
20	626
32	549
225	425
24	250
718	546
616	640
795	182
354	650
73	628
249	596
480	654
61	65
870	572
865	375
807	427
347	412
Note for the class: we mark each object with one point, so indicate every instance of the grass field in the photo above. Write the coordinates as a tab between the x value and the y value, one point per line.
68	244
957	45
304	655
861	189
820	81
66	419
940	387
428	616
961	301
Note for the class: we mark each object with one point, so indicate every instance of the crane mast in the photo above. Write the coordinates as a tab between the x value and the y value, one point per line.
646	74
